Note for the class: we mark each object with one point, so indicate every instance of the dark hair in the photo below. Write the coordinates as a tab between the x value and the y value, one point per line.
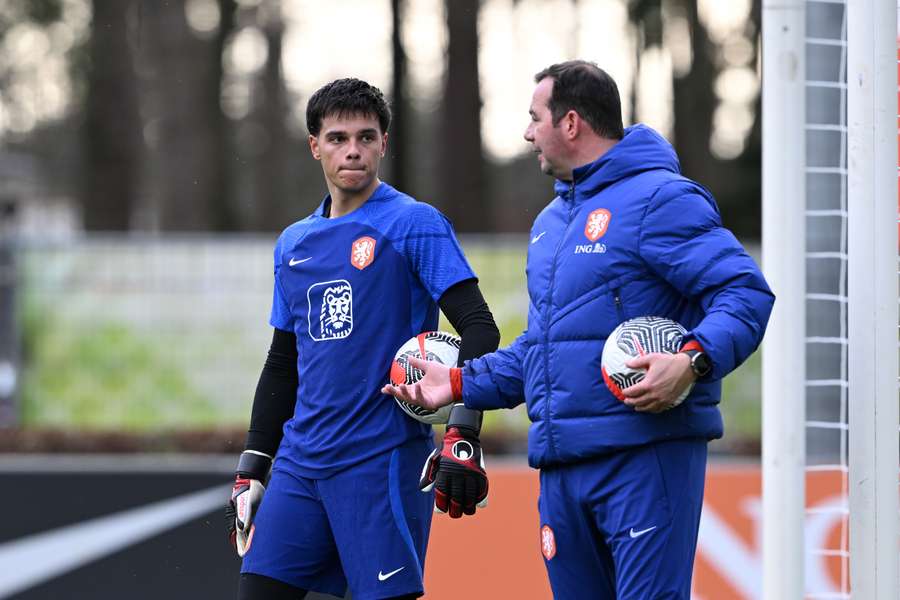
344	97
587	89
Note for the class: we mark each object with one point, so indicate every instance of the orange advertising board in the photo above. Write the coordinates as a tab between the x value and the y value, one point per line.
497	554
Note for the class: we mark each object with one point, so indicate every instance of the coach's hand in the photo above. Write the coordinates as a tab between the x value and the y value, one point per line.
246	495
432	391
456	470
668	375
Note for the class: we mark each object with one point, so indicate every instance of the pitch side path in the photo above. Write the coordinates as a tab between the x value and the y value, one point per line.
152	526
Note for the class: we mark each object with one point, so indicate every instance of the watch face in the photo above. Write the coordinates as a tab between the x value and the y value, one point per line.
701	364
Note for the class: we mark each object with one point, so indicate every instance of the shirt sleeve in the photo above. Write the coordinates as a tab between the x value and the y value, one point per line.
280	317
435	256
682	239
496	380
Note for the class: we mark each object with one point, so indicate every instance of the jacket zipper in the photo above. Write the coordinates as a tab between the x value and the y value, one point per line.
547	382
620	311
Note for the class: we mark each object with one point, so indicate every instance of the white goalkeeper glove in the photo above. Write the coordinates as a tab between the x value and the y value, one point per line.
246	495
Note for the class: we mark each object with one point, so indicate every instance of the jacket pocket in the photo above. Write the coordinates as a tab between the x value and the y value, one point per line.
617	301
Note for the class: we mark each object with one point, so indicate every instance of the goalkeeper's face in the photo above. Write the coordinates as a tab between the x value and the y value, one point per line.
350	148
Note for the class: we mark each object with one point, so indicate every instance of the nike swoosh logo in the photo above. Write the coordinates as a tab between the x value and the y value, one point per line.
633	534
32	560
383	576
294	261
535	239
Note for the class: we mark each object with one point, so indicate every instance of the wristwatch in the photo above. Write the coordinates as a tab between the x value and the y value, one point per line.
700	363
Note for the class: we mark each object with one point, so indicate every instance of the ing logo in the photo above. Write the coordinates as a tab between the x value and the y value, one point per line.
597	224
330	310
362	252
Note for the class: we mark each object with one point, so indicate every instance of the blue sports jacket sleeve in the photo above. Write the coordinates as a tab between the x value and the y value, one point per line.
496	380
682	239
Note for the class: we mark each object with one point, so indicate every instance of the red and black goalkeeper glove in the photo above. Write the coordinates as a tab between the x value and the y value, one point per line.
246	495
456	470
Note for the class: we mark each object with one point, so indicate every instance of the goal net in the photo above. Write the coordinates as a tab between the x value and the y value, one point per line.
830	458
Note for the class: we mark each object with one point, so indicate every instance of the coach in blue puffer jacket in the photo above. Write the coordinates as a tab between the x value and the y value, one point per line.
627	235
658	248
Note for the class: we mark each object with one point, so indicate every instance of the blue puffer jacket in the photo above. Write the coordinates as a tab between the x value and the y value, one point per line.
630	236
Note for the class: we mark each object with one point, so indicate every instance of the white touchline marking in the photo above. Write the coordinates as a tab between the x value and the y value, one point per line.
34	559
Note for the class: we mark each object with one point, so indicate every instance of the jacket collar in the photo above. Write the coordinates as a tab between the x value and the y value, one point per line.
641	149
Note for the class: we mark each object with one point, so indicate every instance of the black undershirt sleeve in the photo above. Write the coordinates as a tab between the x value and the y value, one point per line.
465	308
276	394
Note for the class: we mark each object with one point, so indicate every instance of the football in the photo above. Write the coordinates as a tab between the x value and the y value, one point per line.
438	346
634	338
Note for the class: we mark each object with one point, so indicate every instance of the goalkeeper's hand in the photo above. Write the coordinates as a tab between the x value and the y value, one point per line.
246	495
456	470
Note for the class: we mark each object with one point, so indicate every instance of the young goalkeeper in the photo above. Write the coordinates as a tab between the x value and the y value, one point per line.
353	281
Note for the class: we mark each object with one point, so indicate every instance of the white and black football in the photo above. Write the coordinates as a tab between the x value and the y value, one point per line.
438	346
634	338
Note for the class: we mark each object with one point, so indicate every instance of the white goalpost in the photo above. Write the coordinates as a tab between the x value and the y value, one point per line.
872	301
784	352
830	252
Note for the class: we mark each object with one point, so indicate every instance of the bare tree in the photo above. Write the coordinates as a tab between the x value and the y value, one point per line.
270	120
735	182
113	125
695	101
397	143
224	217
461	168
183	85
646	17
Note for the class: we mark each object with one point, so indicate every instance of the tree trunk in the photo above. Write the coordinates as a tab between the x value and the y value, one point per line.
113	124
735	183
646	16
225	216
753	149
462	179
399	103
271	116
695	103
190	181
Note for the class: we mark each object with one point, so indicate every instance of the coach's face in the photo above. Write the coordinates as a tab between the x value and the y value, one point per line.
546	139
350	148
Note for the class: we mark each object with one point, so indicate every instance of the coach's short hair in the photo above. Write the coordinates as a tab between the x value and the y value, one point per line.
344	97
587	89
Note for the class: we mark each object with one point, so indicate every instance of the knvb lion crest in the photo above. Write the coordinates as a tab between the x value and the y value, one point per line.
597	224
330	310
362	252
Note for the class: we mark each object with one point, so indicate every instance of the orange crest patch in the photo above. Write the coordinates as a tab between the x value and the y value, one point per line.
362	252
597	223
548	542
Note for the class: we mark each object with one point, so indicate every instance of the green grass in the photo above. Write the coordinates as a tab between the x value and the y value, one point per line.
88	369
106	377
741	402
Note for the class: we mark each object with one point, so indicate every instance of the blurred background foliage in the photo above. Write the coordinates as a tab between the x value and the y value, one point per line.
129	128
